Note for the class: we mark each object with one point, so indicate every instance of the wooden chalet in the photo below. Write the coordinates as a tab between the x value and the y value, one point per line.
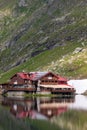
20	82
21	78
40	82
47	82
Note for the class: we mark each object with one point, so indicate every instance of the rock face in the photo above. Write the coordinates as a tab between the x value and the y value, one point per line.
38	26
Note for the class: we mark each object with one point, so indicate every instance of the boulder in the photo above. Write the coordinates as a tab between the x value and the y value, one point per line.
77	50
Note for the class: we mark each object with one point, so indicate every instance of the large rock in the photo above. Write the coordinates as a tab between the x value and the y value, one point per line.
78	49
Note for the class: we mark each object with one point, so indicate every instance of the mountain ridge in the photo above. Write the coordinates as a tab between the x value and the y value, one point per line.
33	27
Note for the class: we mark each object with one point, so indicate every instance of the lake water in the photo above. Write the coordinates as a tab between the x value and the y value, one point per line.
44	108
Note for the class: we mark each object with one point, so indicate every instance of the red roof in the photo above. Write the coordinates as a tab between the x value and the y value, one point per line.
61	78
38	75
24	75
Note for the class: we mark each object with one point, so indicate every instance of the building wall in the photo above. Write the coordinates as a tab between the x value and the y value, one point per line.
17	80
49	79
62	82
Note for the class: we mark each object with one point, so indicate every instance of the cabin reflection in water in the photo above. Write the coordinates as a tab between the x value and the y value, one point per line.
38	108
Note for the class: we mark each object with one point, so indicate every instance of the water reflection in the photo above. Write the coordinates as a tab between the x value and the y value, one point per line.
80	103
38	108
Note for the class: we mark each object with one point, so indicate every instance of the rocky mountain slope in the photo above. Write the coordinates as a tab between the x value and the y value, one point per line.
47	30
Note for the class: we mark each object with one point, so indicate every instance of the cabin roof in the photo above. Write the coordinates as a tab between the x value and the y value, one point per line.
61	78
23	75
38	75
34	76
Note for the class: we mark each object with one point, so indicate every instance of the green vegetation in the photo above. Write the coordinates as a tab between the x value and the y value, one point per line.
38	63
38	35
44	125
71	65
9	122
72	120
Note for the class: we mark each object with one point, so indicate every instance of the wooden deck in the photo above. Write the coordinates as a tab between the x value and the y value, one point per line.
58	89
52	89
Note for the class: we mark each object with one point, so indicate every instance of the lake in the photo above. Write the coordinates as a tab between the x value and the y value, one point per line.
40	108
43	107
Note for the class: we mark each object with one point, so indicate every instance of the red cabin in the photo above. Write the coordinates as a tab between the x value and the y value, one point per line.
20	82
43	82
21	78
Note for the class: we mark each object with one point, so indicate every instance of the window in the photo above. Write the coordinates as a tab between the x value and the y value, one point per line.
55	81
16	82
25	81
42	80
49	77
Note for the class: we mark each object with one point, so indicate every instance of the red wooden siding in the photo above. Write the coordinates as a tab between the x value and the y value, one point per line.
20	79
17	80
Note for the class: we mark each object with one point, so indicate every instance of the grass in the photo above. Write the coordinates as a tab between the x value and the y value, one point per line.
72	120
73	26
66	69
44	125
75	65
9	122
34	63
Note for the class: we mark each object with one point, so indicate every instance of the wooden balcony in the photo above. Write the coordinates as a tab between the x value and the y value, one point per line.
58	89
24	89
64	90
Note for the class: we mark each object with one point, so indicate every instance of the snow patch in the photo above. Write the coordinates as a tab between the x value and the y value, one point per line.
79	85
